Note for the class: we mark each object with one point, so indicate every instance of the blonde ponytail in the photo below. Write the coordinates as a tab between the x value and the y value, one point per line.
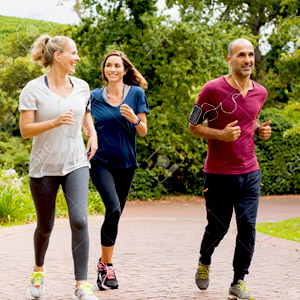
44	48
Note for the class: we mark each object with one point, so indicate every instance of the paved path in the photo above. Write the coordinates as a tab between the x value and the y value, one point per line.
156	255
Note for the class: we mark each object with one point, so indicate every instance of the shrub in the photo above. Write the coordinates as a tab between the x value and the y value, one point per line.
279	157
145	186
15	202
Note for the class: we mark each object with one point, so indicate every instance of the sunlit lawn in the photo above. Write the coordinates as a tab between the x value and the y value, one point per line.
288	229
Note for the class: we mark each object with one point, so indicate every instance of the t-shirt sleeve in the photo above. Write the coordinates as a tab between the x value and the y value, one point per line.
88	99
142	103
27	99
88	106
92	97
206	102
264	99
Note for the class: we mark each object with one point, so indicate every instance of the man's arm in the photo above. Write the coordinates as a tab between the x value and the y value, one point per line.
229	134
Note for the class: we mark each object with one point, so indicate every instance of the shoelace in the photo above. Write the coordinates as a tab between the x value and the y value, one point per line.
87	288
37	277
243	288
203	272
109	271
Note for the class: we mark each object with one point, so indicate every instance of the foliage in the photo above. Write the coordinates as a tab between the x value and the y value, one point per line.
13	77
283	61
279	157
16	69
7	116
173	62
112	8
177	57
14	153
22	32
145	186
259	17
16	205
252	14
288	229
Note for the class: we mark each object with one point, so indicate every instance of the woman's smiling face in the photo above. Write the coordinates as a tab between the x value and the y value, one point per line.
114	69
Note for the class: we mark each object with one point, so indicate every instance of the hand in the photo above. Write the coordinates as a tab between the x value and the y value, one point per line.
92	146
231	132
66	118
127	112
265	131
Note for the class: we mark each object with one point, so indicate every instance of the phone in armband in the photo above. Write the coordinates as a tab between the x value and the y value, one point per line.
195	114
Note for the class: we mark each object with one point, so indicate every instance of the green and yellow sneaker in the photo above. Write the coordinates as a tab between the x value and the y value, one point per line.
37	284
239	291
84	292
202	277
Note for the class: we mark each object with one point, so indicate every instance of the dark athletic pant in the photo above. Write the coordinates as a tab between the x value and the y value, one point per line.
75	187
225	193
113	186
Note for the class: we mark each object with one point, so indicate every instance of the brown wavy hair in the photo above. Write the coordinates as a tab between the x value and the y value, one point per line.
45	46
132	76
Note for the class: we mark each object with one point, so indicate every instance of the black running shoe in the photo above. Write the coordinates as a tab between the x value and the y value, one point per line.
106	278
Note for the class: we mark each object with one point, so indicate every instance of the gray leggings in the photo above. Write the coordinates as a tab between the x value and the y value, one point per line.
75	187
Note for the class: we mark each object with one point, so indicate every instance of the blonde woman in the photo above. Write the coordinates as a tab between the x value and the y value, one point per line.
53	109
119	111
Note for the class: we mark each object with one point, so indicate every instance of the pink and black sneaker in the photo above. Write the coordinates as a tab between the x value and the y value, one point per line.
106	278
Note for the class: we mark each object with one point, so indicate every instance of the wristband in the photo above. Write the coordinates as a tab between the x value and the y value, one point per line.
256	131
138	121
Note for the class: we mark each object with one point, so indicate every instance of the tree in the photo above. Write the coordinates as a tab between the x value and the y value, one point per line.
14	75
255	15
176	58
112	8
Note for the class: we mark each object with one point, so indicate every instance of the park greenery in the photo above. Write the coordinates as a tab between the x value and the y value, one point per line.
177	56
288	229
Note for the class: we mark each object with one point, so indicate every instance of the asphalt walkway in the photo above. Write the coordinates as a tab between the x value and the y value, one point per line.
156	255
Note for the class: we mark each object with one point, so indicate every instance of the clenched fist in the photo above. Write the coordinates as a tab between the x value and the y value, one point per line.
230	133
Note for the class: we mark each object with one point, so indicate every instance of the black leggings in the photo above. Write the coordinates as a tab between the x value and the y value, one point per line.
113	186
75	187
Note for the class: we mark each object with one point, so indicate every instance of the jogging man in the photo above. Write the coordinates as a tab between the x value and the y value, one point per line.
231	105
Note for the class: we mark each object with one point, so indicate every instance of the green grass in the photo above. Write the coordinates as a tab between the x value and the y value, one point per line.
32	27
288	229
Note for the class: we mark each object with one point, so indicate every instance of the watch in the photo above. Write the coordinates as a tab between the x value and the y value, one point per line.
138	121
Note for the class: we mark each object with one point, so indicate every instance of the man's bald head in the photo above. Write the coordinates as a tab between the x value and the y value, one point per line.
239	41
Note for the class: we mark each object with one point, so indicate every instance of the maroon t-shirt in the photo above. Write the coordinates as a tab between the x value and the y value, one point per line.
222	104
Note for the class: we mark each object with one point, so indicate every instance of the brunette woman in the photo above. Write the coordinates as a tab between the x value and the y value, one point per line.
119	111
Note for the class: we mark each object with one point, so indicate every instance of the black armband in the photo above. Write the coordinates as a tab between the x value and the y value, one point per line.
195	115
